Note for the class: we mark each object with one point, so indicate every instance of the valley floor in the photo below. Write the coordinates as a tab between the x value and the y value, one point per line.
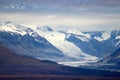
53	77
78	63
60	73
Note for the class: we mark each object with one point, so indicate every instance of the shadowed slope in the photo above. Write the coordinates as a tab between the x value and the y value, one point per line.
16	67
9	58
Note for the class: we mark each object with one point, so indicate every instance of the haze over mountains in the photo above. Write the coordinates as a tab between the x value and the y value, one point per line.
45	43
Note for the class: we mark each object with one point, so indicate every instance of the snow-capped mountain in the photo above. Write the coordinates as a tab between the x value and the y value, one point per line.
99	43
18	29
25	41
41	43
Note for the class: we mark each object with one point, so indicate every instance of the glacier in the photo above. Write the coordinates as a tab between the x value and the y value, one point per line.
71	47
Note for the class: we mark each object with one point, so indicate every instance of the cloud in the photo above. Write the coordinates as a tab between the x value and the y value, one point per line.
80	14
75	3
64	4
82	22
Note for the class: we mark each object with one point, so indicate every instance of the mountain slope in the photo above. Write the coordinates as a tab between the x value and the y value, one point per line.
113	58
111	62
99	43
25	41
7	58
13	65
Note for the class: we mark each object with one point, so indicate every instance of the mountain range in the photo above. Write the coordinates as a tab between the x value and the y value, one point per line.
45	43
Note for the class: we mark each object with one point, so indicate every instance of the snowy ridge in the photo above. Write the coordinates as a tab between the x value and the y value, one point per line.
9	27
18	29
79	35
103	37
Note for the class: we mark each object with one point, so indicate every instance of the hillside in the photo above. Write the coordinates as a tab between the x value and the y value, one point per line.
9	58
111	62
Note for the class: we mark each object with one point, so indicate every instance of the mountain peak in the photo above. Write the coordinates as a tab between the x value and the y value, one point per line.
19	29
8	22
48	28
8	26
74	31
44	28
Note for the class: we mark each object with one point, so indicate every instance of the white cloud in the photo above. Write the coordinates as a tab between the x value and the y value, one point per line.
83	22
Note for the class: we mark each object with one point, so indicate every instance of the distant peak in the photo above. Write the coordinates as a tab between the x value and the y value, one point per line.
45	28
7	22
74	31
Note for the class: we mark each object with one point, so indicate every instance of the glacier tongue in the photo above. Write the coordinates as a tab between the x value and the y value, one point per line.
68	48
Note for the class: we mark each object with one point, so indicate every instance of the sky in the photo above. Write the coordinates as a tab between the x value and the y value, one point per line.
85	15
